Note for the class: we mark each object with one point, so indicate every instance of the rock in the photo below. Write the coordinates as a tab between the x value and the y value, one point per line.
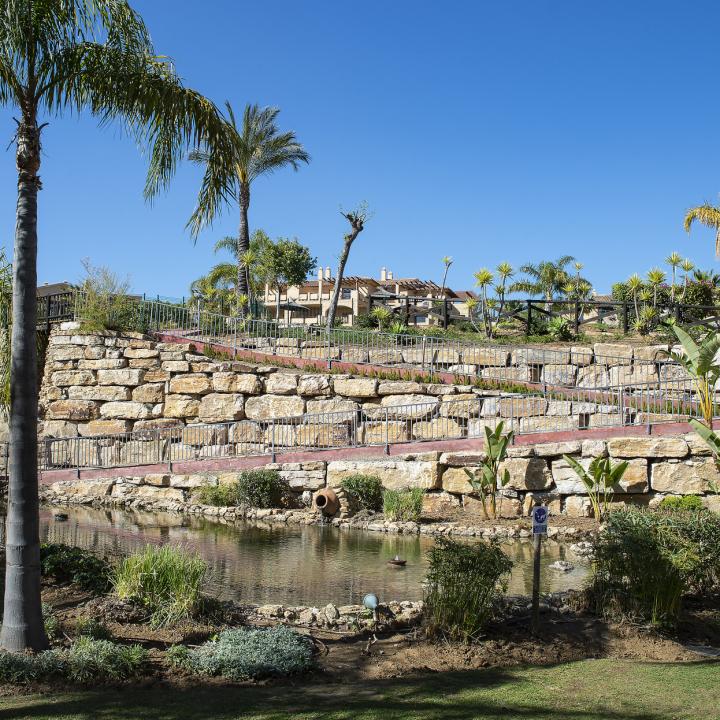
576	506
593	376
268	407
486	357
439	429
409	406
511	407
334	409
651	447
561	566
549	424
635	479
559	374
447	356
102	393
566	480
79	410
104	427
394	475
613	354
324	434
541	356
561	408
141	353
190	482
461	405
570	447
181	406
58	428
356	387
314	385
581	356
191	384
331	612
376	433
399	387
281	384
126	410
219	407
594	448
527	473
65	352
246	432
66	378
85	488
150	393
126	376
231	382
691	477
102	364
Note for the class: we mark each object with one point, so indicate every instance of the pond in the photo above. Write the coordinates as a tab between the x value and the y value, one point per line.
292	565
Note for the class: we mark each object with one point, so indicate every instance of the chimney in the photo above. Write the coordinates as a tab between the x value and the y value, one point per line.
328	274
389	275
320	273
383	274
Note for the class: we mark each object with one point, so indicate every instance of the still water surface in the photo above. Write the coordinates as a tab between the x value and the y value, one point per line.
260	563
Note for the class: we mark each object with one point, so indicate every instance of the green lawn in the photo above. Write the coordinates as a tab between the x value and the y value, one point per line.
587	690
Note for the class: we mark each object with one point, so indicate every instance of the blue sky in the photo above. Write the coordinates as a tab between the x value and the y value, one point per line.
515	130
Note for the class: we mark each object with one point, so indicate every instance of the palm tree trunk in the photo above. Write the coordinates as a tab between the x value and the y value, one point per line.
277	303
241	286
338	280
22	626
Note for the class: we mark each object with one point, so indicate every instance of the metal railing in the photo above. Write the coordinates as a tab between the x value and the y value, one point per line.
373	424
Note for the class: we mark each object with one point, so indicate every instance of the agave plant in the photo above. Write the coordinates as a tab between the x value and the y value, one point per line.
699	362
599	480
487	478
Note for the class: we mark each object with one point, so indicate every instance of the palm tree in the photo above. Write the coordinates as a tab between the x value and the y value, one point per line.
58	56
447	262
483	279
634	285
707	215
656	277
246	152
547	278
687	266
674	260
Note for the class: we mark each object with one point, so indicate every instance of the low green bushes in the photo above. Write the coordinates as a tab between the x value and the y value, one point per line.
225	495
167	581
463	583
645	563
403	505
66	564
86	661
364	491
681	502
261	488
247	653
92	628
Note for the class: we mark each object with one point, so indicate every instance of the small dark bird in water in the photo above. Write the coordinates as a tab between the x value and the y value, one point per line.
60	517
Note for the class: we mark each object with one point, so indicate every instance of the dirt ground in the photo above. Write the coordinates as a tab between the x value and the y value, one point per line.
348	657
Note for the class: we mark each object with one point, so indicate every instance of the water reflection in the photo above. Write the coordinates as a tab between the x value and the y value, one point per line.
293	565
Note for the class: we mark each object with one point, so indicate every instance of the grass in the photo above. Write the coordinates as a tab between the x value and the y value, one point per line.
585	690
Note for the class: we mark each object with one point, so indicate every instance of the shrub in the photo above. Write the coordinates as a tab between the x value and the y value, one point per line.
645	562
66	564
225	495
365	491
253	653
92	628
463	583
681	502
403	505
178	656
165	580
559	328
53	626
104	302
25	668
261	488
90	661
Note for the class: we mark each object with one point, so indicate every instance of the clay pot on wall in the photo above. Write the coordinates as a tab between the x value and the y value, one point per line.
326	501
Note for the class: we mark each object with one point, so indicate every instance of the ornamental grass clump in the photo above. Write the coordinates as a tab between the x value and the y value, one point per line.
261	488
165	580
463	584
364	491
249	653
646	562
225	495
403	505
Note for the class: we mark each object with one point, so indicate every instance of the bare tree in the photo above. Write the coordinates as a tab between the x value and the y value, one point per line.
357	219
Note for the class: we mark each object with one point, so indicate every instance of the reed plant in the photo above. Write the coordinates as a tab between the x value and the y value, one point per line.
165	580
463	584
403	505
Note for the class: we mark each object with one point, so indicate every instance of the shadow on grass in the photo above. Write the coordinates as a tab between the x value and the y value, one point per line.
486	694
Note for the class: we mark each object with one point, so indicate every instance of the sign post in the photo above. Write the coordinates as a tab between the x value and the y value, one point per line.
539	518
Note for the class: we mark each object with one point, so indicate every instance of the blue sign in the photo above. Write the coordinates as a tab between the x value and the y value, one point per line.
540	518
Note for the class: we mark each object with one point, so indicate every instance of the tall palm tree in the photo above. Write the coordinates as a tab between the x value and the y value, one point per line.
656	277
255	147
674	260
58	56
547	278
688	266
635	285
447	262
483	280
707	215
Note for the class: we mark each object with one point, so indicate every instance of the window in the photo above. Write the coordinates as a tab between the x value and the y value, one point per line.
346	293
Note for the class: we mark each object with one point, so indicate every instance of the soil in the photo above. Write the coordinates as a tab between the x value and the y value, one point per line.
348	657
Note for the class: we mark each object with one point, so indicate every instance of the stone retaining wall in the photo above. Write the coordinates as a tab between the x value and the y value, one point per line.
658	466
107	384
